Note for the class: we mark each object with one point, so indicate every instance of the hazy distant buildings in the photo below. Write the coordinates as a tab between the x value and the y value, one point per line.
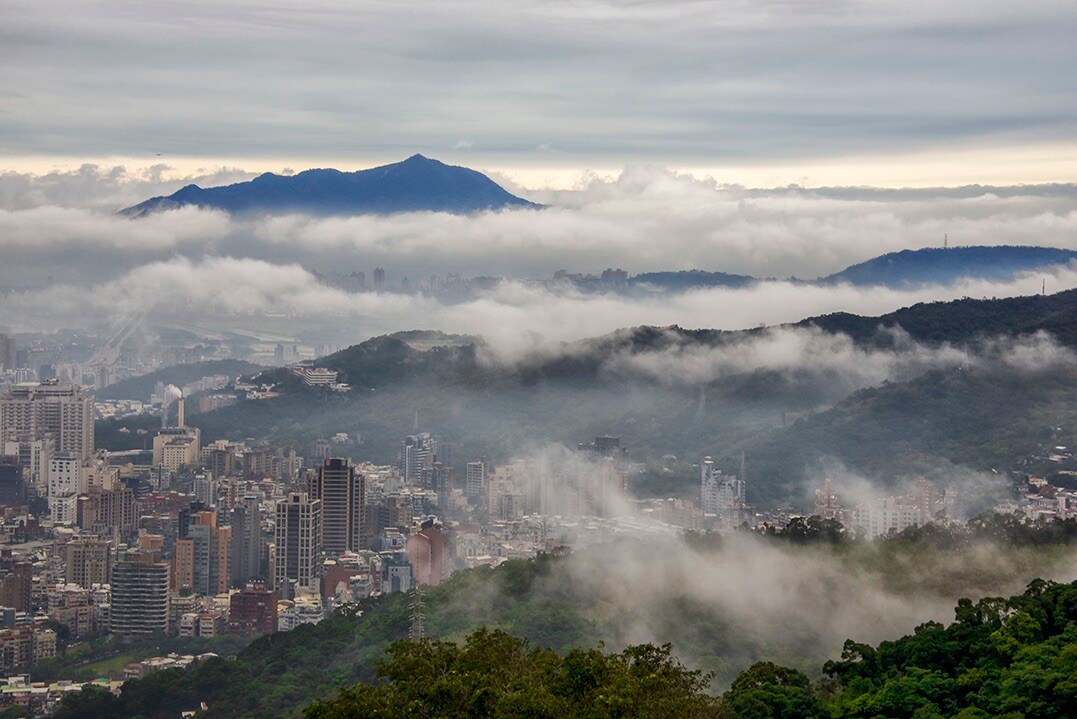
616	277
883	514
9	354
12	482
475	480
603	480
179	446
33	411
721	494
379	280
285	354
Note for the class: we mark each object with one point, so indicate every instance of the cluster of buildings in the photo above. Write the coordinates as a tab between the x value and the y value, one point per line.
1049	492
96	362
1042	500
202	539
881	514
191	539
722	497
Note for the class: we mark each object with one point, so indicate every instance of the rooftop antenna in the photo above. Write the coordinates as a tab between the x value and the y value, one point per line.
417	613
1043	288
415	422
946	240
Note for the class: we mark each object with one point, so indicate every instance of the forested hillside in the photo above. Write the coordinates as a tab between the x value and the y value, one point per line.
972	382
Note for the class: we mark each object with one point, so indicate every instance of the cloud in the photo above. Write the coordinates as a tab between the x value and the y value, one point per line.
103	188
683	80
742	598
645	219
794	351
758	599
519	319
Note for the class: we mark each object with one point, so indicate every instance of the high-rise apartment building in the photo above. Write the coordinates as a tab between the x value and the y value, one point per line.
88	561
8	353
139	595
342	492
379	279
247	542
720	494
298	545
102	510
12	482
475	481
220	459
209	546
34	456
419	452
16	586
32	411
65	483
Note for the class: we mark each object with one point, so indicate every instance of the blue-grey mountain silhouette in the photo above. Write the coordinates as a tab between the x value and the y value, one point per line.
415	185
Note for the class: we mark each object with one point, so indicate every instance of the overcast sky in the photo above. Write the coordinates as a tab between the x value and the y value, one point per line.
750	91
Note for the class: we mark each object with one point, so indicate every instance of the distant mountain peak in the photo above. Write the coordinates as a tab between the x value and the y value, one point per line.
417	184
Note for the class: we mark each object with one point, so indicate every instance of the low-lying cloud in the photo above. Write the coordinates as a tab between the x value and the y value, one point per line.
645	219
61	227
516	319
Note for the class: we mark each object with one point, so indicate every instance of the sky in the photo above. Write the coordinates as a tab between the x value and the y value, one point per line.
754	92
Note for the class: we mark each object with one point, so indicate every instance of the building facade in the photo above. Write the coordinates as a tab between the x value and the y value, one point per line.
298	545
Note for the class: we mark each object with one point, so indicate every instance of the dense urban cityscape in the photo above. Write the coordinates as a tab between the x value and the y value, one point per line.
188	538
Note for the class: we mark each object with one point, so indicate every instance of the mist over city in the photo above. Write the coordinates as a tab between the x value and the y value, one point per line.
590	358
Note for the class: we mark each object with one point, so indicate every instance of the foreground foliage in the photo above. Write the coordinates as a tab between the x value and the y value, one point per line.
499	676
1010	659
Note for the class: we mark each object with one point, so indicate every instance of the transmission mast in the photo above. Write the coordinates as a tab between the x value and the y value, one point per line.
417	613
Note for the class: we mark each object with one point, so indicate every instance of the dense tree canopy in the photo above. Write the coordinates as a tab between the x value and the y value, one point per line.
497	676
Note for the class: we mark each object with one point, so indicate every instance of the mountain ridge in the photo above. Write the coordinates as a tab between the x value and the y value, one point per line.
938	265
417	184
590	388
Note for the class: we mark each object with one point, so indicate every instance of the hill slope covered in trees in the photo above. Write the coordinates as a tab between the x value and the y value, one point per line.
974	382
